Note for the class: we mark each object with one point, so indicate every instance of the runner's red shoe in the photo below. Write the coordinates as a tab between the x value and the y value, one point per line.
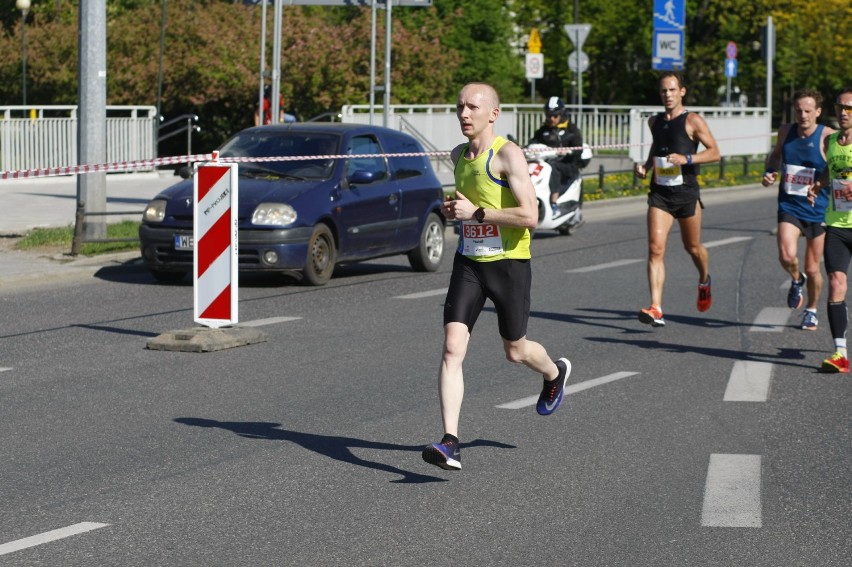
652	316
837	363
705	299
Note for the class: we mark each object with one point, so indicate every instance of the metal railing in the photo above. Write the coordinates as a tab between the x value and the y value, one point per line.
621	129
183	123
34	137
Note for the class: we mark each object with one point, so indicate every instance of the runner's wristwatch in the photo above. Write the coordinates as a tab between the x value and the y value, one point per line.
479	215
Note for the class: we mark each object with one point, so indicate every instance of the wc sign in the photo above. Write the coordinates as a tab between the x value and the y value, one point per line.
668	44
669	23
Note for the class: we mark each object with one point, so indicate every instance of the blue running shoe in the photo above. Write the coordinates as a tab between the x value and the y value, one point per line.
554	210
809	321
445	454
795	297
553	391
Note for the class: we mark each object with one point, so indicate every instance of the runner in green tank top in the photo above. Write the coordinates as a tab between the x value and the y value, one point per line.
838	218
495	204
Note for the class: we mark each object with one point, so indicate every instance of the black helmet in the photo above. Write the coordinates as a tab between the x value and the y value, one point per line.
554	105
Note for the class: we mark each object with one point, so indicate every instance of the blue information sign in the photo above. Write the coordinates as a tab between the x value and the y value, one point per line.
669	14
669	23
730	68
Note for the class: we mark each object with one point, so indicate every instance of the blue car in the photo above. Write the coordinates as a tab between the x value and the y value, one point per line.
309	215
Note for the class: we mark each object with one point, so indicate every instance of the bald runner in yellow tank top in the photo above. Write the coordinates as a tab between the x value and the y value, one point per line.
487	242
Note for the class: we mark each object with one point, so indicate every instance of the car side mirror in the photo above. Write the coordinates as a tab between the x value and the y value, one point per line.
361	177
185	171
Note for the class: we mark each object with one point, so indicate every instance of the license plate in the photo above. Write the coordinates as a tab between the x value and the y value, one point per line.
183	242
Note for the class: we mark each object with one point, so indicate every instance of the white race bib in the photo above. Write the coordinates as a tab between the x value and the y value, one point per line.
797	179
666	173
481	239
841	205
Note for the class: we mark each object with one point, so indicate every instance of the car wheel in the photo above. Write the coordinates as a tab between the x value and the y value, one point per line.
322	256
168	277
430	250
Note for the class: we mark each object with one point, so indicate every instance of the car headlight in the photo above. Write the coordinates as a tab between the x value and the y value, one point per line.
155	211
273	214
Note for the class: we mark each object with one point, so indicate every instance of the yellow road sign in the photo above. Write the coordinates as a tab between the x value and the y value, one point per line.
534	44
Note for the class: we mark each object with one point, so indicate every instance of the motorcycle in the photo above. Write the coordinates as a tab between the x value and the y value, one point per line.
569	214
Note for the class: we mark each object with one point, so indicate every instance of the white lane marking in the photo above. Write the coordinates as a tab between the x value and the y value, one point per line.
771	320
732	492
596	267
269	321
749	382
627	262
422	294
4	369
47	537
570	389
724	241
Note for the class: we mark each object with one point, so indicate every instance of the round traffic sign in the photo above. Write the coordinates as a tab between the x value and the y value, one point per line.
578	61
535	66
731	50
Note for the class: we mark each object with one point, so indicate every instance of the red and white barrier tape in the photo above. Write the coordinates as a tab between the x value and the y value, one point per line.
125	166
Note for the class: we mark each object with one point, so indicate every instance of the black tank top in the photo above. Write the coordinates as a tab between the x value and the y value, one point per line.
670	137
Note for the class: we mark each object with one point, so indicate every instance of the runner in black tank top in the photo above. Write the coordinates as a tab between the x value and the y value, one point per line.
673	161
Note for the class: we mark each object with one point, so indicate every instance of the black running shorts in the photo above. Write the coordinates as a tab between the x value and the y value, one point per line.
838	249
505	282
809	229
678	201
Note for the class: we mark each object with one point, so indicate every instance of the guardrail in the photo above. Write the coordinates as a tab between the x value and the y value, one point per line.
46	136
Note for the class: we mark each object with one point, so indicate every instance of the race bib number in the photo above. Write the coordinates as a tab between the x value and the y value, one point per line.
797	179
666	173
481	239
841	205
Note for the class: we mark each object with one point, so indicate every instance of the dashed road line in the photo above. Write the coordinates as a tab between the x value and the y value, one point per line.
616	264
629	261
47	537
422	294
749	382
5	369
771	320
724	241
269	321
732	492
570	389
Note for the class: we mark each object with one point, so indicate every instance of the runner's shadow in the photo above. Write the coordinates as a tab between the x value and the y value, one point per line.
680	319
783	356
332	446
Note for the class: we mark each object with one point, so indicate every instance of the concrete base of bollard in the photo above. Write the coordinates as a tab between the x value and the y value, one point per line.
206	339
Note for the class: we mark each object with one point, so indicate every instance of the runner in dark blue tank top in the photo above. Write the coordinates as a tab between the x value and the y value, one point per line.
674	159
798	160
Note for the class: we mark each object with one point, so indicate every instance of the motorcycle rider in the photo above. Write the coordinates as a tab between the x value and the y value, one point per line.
558	132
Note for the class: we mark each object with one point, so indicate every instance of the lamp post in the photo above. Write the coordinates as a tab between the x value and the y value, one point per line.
24	7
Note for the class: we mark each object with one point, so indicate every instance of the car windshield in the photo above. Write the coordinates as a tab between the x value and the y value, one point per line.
257	143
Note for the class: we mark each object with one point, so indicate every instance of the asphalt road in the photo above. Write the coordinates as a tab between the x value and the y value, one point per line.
305	449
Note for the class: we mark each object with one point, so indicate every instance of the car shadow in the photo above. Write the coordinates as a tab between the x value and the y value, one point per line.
134	272
332	446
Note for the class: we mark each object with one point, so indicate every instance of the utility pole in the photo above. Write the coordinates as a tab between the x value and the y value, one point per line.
91	130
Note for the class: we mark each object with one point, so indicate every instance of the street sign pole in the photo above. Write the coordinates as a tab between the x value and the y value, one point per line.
578	60
770	59
276	44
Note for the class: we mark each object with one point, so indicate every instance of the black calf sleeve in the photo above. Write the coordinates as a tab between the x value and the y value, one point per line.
837	319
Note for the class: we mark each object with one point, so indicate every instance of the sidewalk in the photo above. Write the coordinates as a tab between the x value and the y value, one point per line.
52	202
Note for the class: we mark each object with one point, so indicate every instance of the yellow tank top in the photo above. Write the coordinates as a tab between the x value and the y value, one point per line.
839	163
475	180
